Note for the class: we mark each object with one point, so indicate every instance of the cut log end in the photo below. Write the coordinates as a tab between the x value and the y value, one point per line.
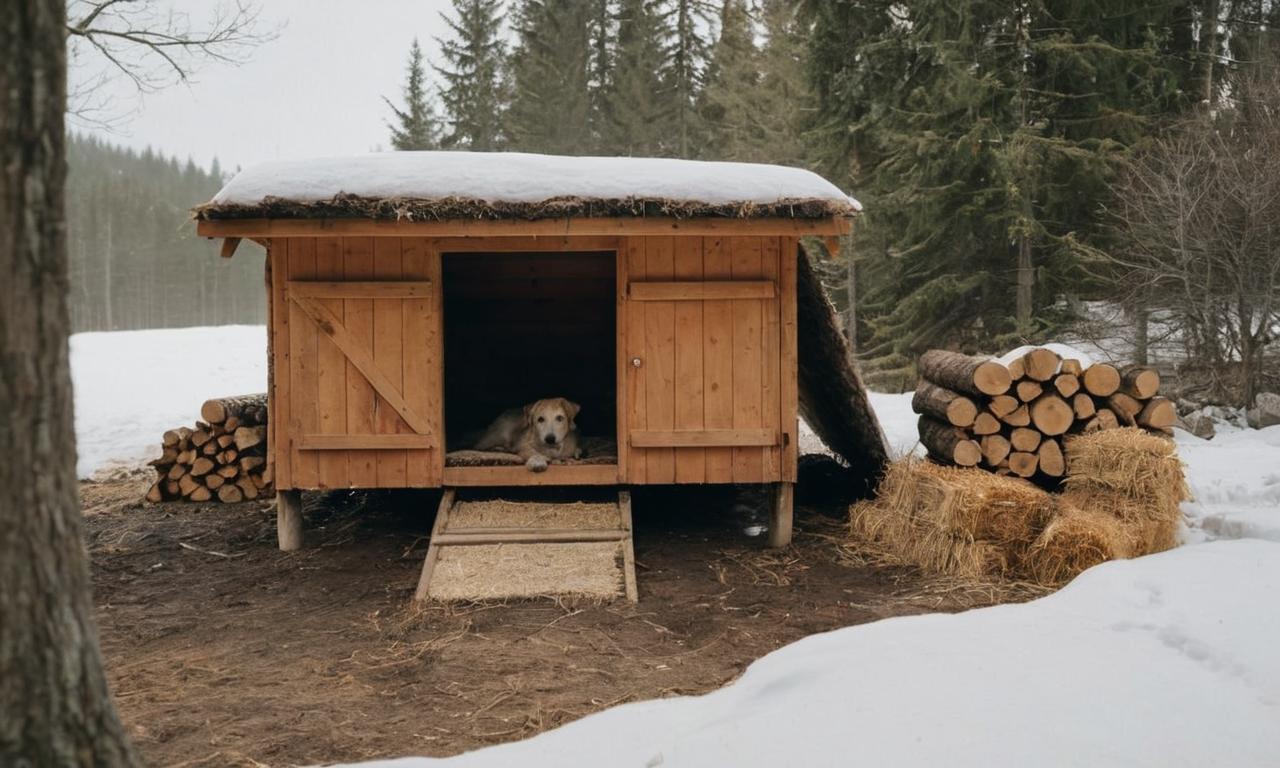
1023	464
1051	415
1159	414
1051	461
1101	380
1142	383
1041	364
943	404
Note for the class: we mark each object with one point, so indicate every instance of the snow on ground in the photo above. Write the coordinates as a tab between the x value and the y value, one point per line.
517	177
1165	660
1168	660
131	386
1235	479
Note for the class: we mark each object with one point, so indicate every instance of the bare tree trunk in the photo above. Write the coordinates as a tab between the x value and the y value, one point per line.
1141	317
851	294
55	707
1211	54
1026	284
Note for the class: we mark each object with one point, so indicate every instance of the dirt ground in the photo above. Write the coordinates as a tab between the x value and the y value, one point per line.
223	650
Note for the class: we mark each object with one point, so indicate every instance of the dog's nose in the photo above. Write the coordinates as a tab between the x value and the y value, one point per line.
551	439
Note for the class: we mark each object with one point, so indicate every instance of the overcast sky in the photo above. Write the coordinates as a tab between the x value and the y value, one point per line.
315	90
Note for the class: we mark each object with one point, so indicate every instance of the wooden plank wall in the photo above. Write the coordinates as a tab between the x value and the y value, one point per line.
711	364
318	391
707	364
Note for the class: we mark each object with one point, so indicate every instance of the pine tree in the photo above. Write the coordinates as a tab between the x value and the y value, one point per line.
728	105
475	59
603	32
786	98
683	71
551	102
415	125
757	99
638	100
981	134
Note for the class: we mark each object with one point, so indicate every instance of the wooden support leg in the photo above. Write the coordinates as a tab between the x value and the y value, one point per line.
289	519
780	525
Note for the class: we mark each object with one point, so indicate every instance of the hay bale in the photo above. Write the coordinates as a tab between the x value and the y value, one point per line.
1129	461
964	522
1076	539
1133	477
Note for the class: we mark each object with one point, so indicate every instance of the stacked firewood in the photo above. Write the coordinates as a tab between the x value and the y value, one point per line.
223	457
1011	417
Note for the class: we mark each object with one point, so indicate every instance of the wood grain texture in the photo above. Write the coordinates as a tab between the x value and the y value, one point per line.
388	359
331	373
717	360
280	366
691	464
748	359
659	359
304	366
358	324
697	290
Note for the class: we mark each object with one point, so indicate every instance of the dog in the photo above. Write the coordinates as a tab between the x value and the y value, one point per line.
539	433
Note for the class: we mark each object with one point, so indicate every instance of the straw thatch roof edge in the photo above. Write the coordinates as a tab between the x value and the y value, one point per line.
345	206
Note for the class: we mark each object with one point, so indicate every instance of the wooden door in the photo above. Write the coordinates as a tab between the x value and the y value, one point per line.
356	373
709	362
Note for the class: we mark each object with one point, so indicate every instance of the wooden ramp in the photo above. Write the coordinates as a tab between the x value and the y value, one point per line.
494	549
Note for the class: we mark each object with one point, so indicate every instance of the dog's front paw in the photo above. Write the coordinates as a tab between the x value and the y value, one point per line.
537	463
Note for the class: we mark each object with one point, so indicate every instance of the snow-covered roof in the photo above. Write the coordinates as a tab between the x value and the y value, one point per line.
441	185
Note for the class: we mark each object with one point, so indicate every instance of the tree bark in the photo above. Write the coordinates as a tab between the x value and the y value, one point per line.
55	706
967	375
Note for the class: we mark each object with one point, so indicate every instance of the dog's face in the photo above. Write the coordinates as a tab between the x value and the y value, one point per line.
551	419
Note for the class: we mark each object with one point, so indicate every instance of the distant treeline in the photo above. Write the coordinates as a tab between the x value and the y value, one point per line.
135	260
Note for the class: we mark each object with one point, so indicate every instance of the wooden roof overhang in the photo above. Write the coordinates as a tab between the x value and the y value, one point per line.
232	231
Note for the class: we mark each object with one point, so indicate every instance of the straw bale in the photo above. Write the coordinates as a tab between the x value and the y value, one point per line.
1076	539
1130	461
508	571
965	522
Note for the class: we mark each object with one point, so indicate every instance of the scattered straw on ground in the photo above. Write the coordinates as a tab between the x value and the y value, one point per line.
499	513
504	571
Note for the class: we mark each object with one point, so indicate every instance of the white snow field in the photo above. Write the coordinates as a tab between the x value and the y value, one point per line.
1166	660
516	177
130	386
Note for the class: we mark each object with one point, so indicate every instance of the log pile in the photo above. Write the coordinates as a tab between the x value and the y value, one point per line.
1011	418
223	457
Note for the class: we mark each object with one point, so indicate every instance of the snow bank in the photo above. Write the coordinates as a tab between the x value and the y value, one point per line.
131	386
1164	661
1235	482
515	177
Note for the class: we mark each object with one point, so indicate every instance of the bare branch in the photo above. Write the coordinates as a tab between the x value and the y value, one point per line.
151	45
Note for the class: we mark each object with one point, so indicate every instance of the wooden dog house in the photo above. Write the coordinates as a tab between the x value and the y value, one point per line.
413	296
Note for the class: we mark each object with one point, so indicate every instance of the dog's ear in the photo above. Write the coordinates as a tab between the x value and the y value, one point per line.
528	414
570	408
